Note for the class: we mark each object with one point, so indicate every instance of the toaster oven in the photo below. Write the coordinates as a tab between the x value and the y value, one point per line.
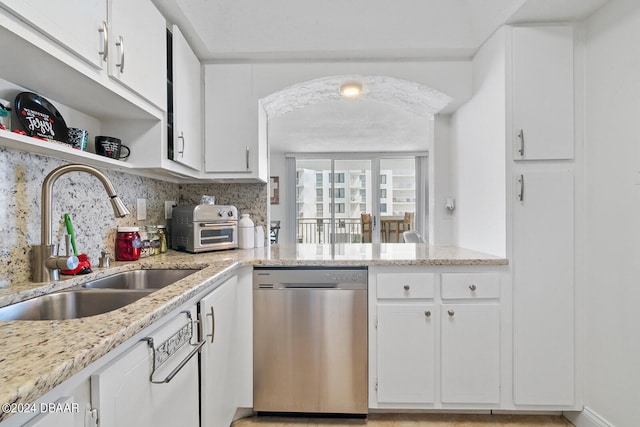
202	228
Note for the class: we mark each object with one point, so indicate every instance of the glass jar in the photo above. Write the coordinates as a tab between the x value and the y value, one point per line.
128	244
154	239
145	244
162	231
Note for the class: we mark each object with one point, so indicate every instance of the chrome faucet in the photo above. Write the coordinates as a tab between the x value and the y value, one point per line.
46	261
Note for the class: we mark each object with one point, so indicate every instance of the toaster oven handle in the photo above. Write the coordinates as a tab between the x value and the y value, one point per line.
217	224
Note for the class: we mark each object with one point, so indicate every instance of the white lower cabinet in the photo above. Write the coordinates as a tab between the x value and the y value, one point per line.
406	353
155	382
218	360
470	349
543	289
435	346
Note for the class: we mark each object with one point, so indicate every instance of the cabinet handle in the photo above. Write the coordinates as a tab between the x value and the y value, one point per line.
451	313
247	157
472	287
407	287
521	193
427	313
120	44
213	324
181	136
521	137
105	41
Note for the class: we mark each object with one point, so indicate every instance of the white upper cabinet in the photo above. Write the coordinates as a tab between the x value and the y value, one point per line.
187	96
542	92
80	26
235	124
137	48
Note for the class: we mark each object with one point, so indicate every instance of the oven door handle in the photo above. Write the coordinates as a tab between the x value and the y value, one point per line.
217	224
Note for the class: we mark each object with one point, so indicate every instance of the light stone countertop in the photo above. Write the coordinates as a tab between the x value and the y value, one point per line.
36	356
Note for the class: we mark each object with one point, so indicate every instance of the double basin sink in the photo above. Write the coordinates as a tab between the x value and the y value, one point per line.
94	297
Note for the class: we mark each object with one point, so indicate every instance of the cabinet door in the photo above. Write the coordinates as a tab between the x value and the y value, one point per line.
470	353
125	397
233	144
187	95
542	92
137	48
77	25
218	358
406	353
543	296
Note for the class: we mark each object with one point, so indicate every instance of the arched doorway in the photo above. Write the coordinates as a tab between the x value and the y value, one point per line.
391	118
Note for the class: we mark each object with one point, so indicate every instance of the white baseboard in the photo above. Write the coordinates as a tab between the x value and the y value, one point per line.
586	418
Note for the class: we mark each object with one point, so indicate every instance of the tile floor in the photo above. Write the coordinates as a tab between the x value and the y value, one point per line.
410	420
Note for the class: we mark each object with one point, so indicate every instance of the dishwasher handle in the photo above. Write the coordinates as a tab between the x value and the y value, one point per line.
310	286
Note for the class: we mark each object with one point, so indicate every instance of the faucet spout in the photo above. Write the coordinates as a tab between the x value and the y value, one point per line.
46	262
119	209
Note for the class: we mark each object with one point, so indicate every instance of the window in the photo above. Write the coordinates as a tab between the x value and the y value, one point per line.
347	186
339	178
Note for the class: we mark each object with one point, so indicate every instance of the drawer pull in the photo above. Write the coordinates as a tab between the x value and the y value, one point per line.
472	287
451	313
407	287
427	313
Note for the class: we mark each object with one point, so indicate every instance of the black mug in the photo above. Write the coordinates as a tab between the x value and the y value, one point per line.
109	146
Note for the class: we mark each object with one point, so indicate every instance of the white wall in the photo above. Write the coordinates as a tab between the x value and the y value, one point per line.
612	263
279	212
441	219
478	155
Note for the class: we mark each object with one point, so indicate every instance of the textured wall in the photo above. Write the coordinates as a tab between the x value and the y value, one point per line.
83	197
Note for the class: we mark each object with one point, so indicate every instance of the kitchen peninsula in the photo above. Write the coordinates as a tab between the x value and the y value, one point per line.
37	356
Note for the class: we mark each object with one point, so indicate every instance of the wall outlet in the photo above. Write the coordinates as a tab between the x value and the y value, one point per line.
141	209
168	208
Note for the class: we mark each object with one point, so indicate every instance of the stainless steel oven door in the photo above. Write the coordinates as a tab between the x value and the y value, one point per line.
216	235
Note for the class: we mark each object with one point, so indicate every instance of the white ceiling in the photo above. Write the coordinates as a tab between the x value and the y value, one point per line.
301	30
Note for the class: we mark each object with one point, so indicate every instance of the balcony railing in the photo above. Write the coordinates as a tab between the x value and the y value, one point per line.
318	230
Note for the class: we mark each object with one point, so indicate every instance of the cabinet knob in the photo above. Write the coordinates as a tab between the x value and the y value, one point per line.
451	313
472	287
427	313
407	287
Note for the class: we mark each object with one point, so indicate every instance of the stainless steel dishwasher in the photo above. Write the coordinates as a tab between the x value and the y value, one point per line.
310	340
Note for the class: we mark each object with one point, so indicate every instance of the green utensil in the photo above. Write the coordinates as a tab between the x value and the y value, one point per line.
67	222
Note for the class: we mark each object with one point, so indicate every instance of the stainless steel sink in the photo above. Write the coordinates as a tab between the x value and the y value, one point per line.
140	279
70	304
95	297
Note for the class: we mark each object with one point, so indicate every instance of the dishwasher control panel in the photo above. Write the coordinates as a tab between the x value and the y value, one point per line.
308	277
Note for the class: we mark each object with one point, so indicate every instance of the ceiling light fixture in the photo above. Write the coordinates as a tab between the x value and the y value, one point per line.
351	90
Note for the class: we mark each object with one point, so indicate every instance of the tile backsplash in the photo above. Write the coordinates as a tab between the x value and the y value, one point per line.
84	198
